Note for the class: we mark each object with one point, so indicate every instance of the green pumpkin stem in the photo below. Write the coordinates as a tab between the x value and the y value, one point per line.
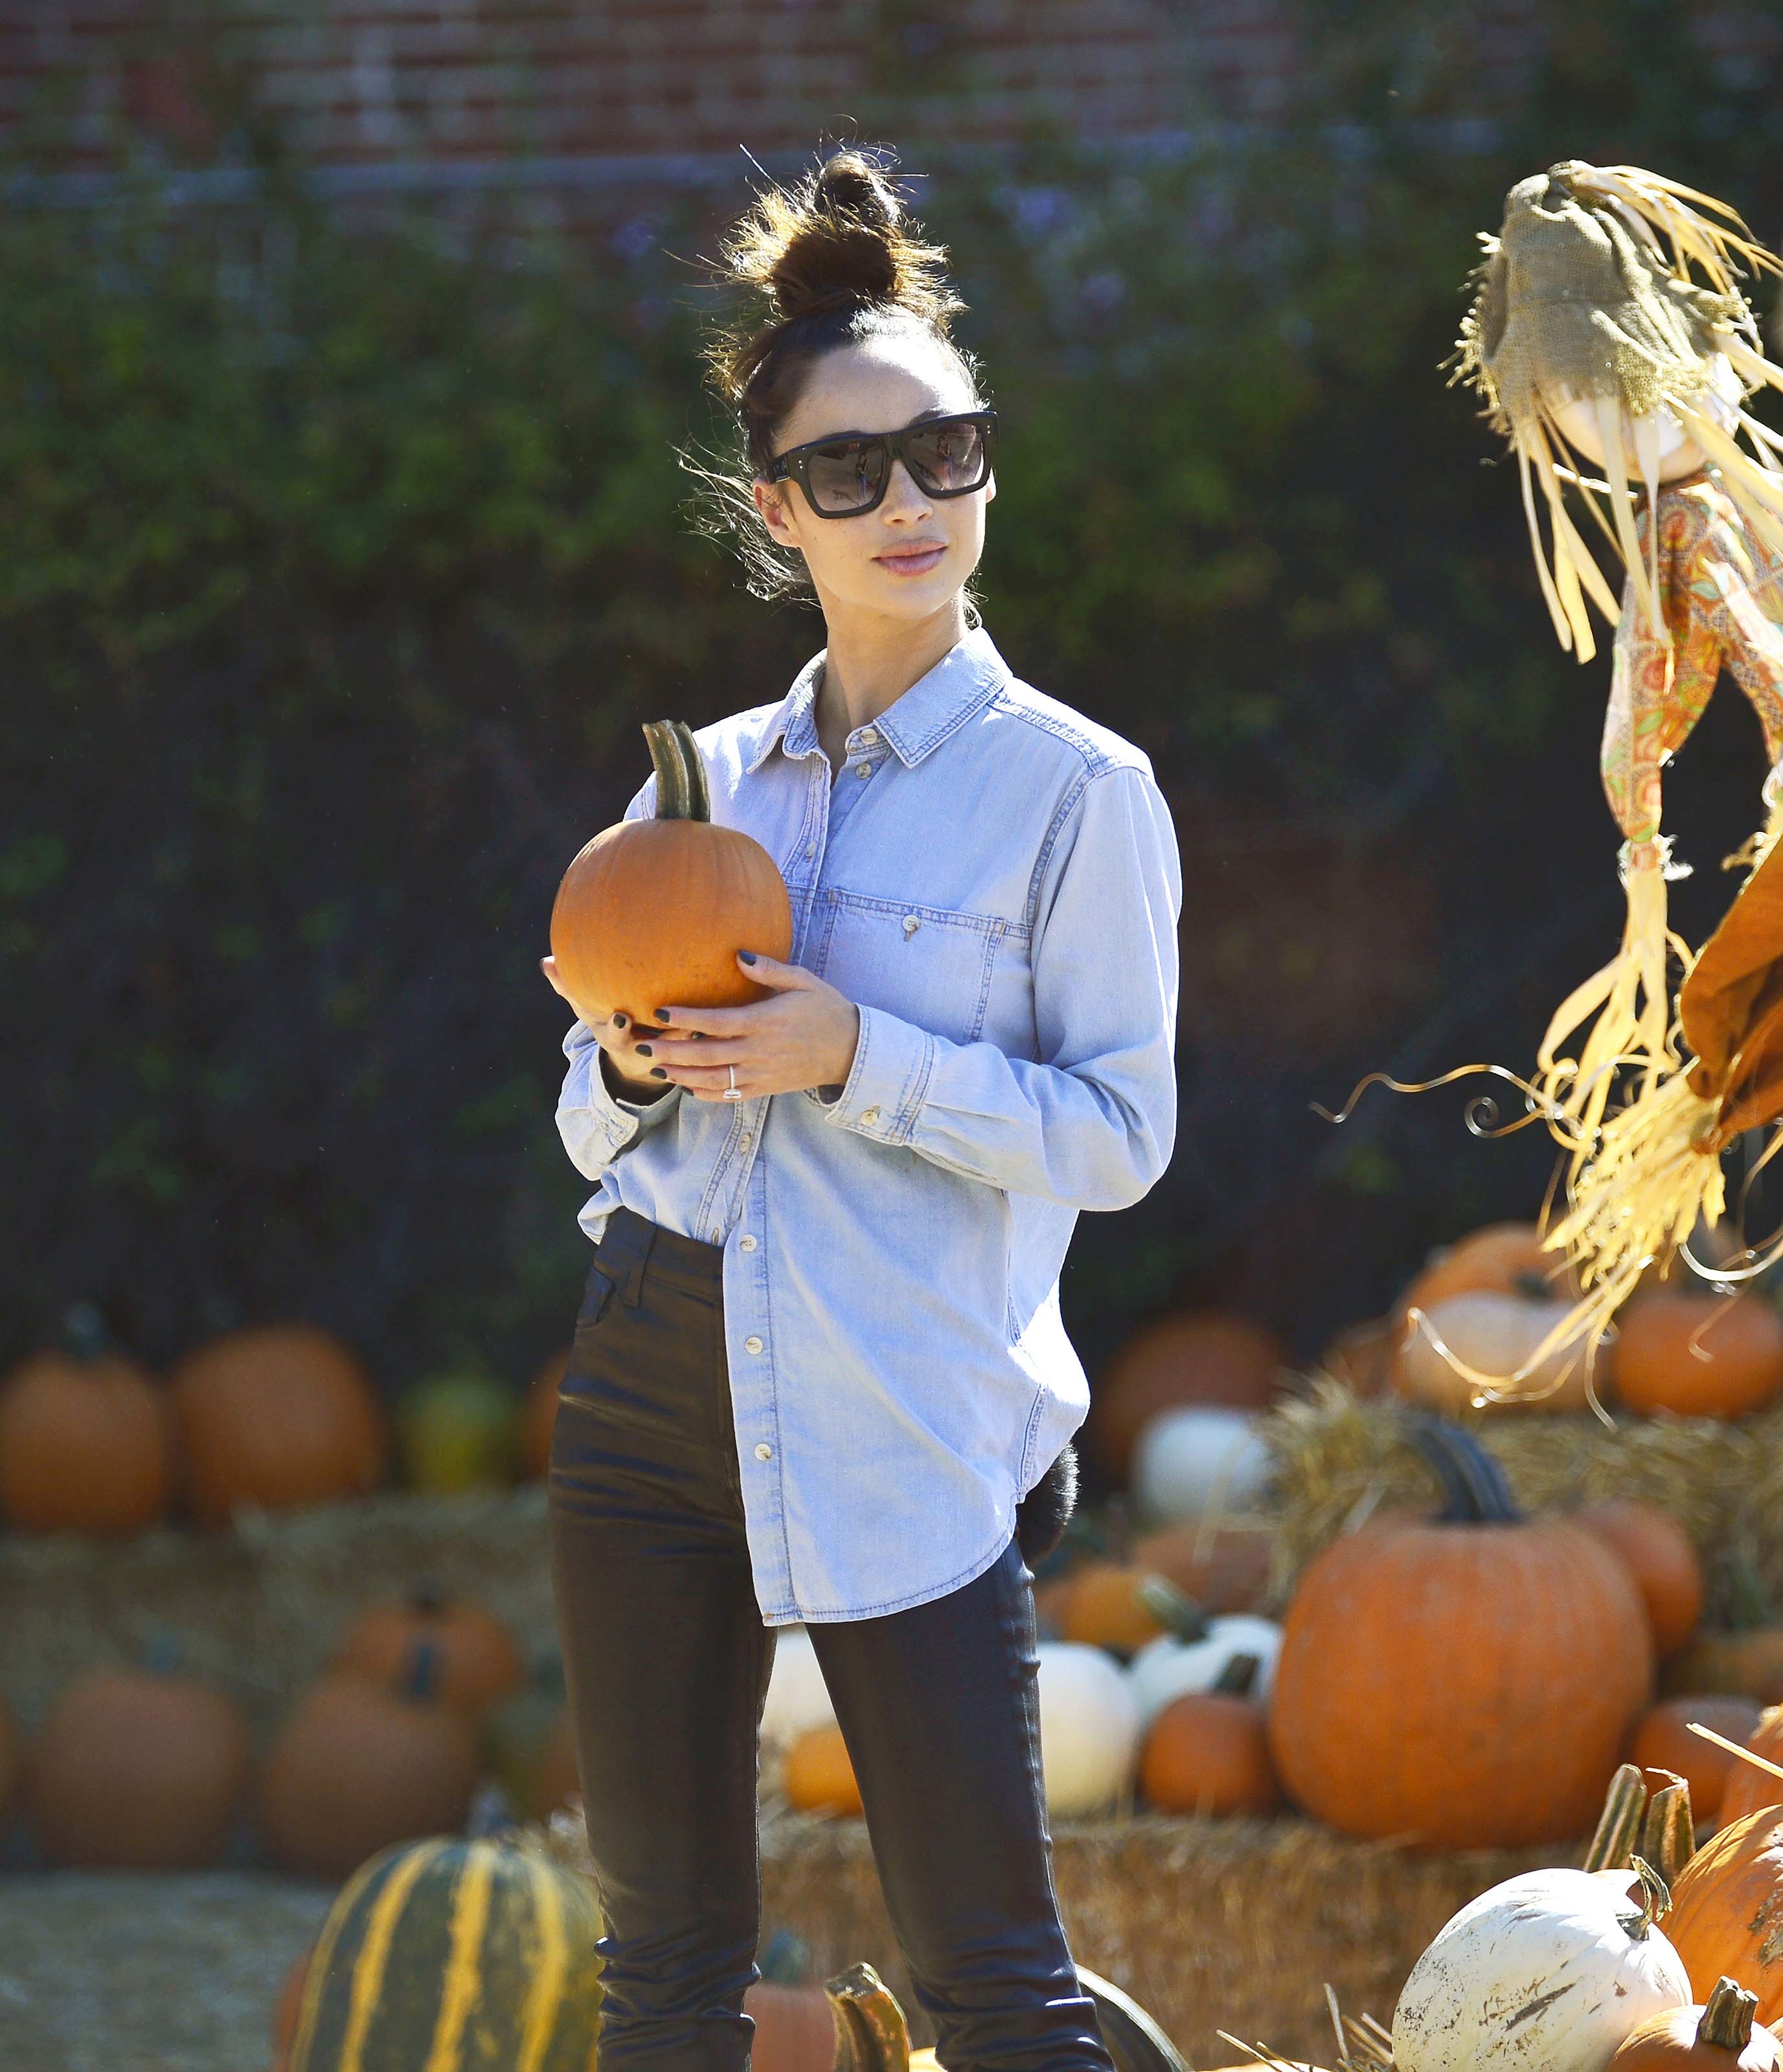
1726	2020
1471	1479
1175	1611
1238	1678
1619	1827
872	2034
682	793
1668	1833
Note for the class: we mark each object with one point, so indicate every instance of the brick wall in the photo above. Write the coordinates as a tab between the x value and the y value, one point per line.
660	89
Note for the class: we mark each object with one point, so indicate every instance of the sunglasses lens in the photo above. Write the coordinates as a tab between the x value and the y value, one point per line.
845	476
949	457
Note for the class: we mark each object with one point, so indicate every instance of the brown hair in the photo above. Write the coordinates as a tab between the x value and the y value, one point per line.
827	263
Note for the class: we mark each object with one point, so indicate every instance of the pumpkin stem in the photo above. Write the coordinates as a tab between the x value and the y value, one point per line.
1238	1678
1727	2020
1668	1834
1173	1608
872	2034
682	793
1655	1898
1618	1825
1471	1479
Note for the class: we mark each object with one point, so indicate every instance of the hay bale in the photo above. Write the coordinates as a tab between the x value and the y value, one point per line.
256	1607
1337	1457
1236	1925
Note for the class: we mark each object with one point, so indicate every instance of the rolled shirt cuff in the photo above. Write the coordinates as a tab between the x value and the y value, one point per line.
883	1095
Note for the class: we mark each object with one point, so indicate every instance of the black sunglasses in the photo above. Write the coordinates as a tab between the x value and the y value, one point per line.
846	476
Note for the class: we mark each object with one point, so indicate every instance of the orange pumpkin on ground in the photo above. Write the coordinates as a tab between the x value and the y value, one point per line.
479	1660
1698	1355
795	2028
138	1768
1208	1753
1191	1356
1499	1259
651	912
1663	1740
1749	1787
87	1440
1662	1561
277	1414
1727	1917
817	1776
1719	2037
1103	1607
538	1413
1748	1664
356	1767
1423	1659
1223	1568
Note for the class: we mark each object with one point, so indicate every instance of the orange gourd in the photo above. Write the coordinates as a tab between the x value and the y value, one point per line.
1207	1753
479	1660
538	1413
1747	1664
1727	1917
817	1776
356	1766
1224	1568
1499	1259
276	1414
86	1437
1194	1356
1698	1355
1663	1740
650	913
1425	1660
138	1768
1749	1787
1719	2037
1101	1605
1662	1561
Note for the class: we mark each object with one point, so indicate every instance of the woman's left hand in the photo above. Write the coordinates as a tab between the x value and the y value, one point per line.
804	1036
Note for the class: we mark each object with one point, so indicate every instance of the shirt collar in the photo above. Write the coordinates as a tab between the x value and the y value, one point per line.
967	675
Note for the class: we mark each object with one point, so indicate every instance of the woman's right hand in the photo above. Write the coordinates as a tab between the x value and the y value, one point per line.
618	1037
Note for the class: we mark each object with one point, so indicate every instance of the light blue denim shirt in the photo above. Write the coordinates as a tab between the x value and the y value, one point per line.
994	879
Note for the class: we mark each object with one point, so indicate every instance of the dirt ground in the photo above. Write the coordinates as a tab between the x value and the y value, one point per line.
143	1972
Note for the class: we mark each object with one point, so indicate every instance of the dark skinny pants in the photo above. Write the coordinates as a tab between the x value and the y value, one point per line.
667	1661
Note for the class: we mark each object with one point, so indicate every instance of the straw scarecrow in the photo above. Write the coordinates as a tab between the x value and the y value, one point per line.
1614	371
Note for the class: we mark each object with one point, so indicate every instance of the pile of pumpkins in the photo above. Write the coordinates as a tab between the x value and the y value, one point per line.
276	1416
424	1698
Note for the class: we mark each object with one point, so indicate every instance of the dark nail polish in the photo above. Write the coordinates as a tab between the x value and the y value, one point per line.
619	1020
662	1014
699	1035
658	1072
645	1051
748	956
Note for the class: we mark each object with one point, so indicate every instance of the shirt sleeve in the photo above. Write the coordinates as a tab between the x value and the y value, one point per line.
596	1123
1092	1125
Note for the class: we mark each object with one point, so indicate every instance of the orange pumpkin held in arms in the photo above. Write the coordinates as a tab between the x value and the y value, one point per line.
651	912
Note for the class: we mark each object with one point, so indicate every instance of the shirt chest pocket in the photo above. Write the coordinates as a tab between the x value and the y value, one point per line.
930	965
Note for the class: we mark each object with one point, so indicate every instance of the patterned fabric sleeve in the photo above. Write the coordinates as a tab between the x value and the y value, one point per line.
1722	598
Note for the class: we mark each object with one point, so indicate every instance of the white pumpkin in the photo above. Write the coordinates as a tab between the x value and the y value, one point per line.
1089	1727
798	1699
1547	1972
1194	1458
1167	1667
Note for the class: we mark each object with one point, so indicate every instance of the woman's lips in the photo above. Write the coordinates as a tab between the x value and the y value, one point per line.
912	564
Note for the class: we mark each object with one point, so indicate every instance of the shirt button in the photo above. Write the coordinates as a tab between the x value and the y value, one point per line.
753	1343
868	735
810	848
869	1114
863	769
717	1237
745	1244
764	1452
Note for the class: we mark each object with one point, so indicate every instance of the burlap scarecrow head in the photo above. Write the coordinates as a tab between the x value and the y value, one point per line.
1589	335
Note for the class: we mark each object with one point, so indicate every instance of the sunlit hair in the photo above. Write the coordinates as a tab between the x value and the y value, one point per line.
830	261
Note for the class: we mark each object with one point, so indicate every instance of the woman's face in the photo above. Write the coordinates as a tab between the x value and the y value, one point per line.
910	557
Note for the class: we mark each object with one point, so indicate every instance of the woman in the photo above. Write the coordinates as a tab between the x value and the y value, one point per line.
820	1359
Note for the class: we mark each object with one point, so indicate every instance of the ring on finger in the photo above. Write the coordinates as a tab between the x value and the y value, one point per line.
733	1092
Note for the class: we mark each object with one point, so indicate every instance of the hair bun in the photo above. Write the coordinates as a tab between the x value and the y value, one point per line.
839	237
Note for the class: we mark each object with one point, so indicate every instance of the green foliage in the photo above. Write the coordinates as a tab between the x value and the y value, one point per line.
343	559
